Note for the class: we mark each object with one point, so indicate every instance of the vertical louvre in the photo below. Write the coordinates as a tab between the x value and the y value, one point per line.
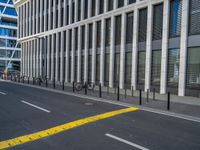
193	68
141	67
194	27
173	67
157	22
142	25
156	67
175	18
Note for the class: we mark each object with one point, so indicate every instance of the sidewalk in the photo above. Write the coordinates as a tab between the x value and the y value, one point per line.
181	107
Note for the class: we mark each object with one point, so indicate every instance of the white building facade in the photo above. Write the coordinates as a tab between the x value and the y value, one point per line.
139	44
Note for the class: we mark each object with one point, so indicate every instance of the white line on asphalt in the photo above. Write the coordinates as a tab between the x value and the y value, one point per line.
36	106
2	93
126	142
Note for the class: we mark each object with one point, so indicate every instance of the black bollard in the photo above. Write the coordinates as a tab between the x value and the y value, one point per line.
63	85
118	93
140	97
100	90
154	91
73	86
54	84
132	91
147	95
168	101
46	81
86	88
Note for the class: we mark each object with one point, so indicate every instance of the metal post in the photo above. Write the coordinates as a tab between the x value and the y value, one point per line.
100	90
140	97
73	87
168	101
154	91
46	82
118	94
63	85
85	88
54	84
147	95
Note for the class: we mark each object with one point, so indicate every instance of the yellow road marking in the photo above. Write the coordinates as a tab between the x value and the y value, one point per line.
61	128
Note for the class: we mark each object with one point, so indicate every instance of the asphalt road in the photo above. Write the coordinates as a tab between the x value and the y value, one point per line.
26	110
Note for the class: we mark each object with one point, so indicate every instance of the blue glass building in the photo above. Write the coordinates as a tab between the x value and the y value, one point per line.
10	52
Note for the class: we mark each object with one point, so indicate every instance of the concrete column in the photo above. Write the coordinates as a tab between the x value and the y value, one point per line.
105	6
183	48
59	13
73	56
41	14
31	59
62	57
48	57
86	52
40	58
67	58
34	62
115	4
94	35
79	54
89	8
76	10
45	15
24	47
148	47
22	59
126	2
65	13
112	39
37	14
97	7
57	57
82	9
28	58
50	17
102	56
135	49
54	14
122	52
70	11
33	29
27	18
30	17
52	58
24	29
163	78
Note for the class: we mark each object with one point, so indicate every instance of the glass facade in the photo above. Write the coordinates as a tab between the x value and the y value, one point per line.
141	67
156	67
193	68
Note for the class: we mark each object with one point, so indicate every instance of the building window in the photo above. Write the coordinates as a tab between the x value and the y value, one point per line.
141	67
175	18
157	22
86	9
131	1
129	28
108	32
120	3
156	67
128	68
142	25
79	10
193	68
90	35
107	65
118	30
73	11
110	5
83	37
194	16
89	68
93	7
75	68
173	67
97	68
101	6
82	67
98	34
